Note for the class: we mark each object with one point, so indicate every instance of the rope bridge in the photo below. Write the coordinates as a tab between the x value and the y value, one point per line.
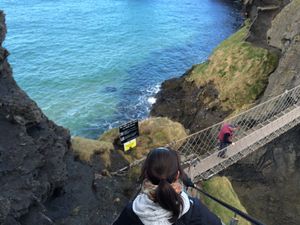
257	126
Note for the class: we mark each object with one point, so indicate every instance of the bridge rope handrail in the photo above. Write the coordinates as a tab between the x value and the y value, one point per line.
205	141
237	115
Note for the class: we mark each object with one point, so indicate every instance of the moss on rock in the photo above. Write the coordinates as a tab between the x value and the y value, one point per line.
85	148
110	135
238	69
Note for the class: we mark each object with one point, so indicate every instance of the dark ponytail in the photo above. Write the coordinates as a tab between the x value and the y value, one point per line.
168	199
161	168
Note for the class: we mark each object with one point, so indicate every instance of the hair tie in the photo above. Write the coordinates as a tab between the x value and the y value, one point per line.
162	179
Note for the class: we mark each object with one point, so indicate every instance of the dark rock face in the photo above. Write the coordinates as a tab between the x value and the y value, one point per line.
261	14
195	107
87	198
267	182
32	148
284	34
276	26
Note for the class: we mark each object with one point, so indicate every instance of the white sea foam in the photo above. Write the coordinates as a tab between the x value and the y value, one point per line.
152	91
151	100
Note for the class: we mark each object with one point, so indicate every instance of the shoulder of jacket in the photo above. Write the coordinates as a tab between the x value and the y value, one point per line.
194	201
187	216
196	206
131	215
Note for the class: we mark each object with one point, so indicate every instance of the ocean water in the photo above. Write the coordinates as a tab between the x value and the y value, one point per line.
95	64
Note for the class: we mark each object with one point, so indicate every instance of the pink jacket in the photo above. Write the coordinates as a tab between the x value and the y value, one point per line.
226	129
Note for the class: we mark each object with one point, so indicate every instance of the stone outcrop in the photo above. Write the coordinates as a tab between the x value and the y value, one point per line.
32	148
267	182
284	34
261	14
153	132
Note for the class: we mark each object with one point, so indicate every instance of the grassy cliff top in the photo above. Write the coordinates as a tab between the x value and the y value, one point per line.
154	132
221	188
85	148
238	69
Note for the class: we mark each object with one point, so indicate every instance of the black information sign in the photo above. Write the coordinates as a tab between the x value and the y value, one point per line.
129	131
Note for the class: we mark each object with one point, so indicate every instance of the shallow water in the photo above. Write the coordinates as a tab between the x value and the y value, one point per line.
92	65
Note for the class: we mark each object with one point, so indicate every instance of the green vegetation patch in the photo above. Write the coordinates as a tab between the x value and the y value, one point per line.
154	132
221	188
84	148
110	135
238	69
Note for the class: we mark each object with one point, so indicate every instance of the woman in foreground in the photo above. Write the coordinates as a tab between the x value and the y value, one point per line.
162	200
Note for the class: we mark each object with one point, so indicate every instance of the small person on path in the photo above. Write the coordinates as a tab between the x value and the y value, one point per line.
225	137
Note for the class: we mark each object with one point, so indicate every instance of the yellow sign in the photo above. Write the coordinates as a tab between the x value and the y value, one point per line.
129	145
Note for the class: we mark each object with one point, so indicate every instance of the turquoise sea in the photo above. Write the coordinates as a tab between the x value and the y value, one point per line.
95	64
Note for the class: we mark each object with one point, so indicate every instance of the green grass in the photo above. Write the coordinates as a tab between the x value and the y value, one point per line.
235	38
220	187
110	135
154	132
238	69
85	148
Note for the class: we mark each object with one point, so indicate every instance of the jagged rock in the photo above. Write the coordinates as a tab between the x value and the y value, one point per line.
32	148
267	182
36	216
4	209
261	14
285	34
86	198
287	75
285	26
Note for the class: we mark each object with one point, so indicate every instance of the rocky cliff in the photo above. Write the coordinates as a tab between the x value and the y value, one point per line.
267	181
32	148
41	182
284	34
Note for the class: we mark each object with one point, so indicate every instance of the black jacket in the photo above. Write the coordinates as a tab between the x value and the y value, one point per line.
198	214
